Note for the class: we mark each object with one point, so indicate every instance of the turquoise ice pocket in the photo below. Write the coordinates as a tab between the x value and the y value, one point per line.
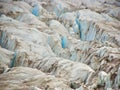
35	10
64	42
